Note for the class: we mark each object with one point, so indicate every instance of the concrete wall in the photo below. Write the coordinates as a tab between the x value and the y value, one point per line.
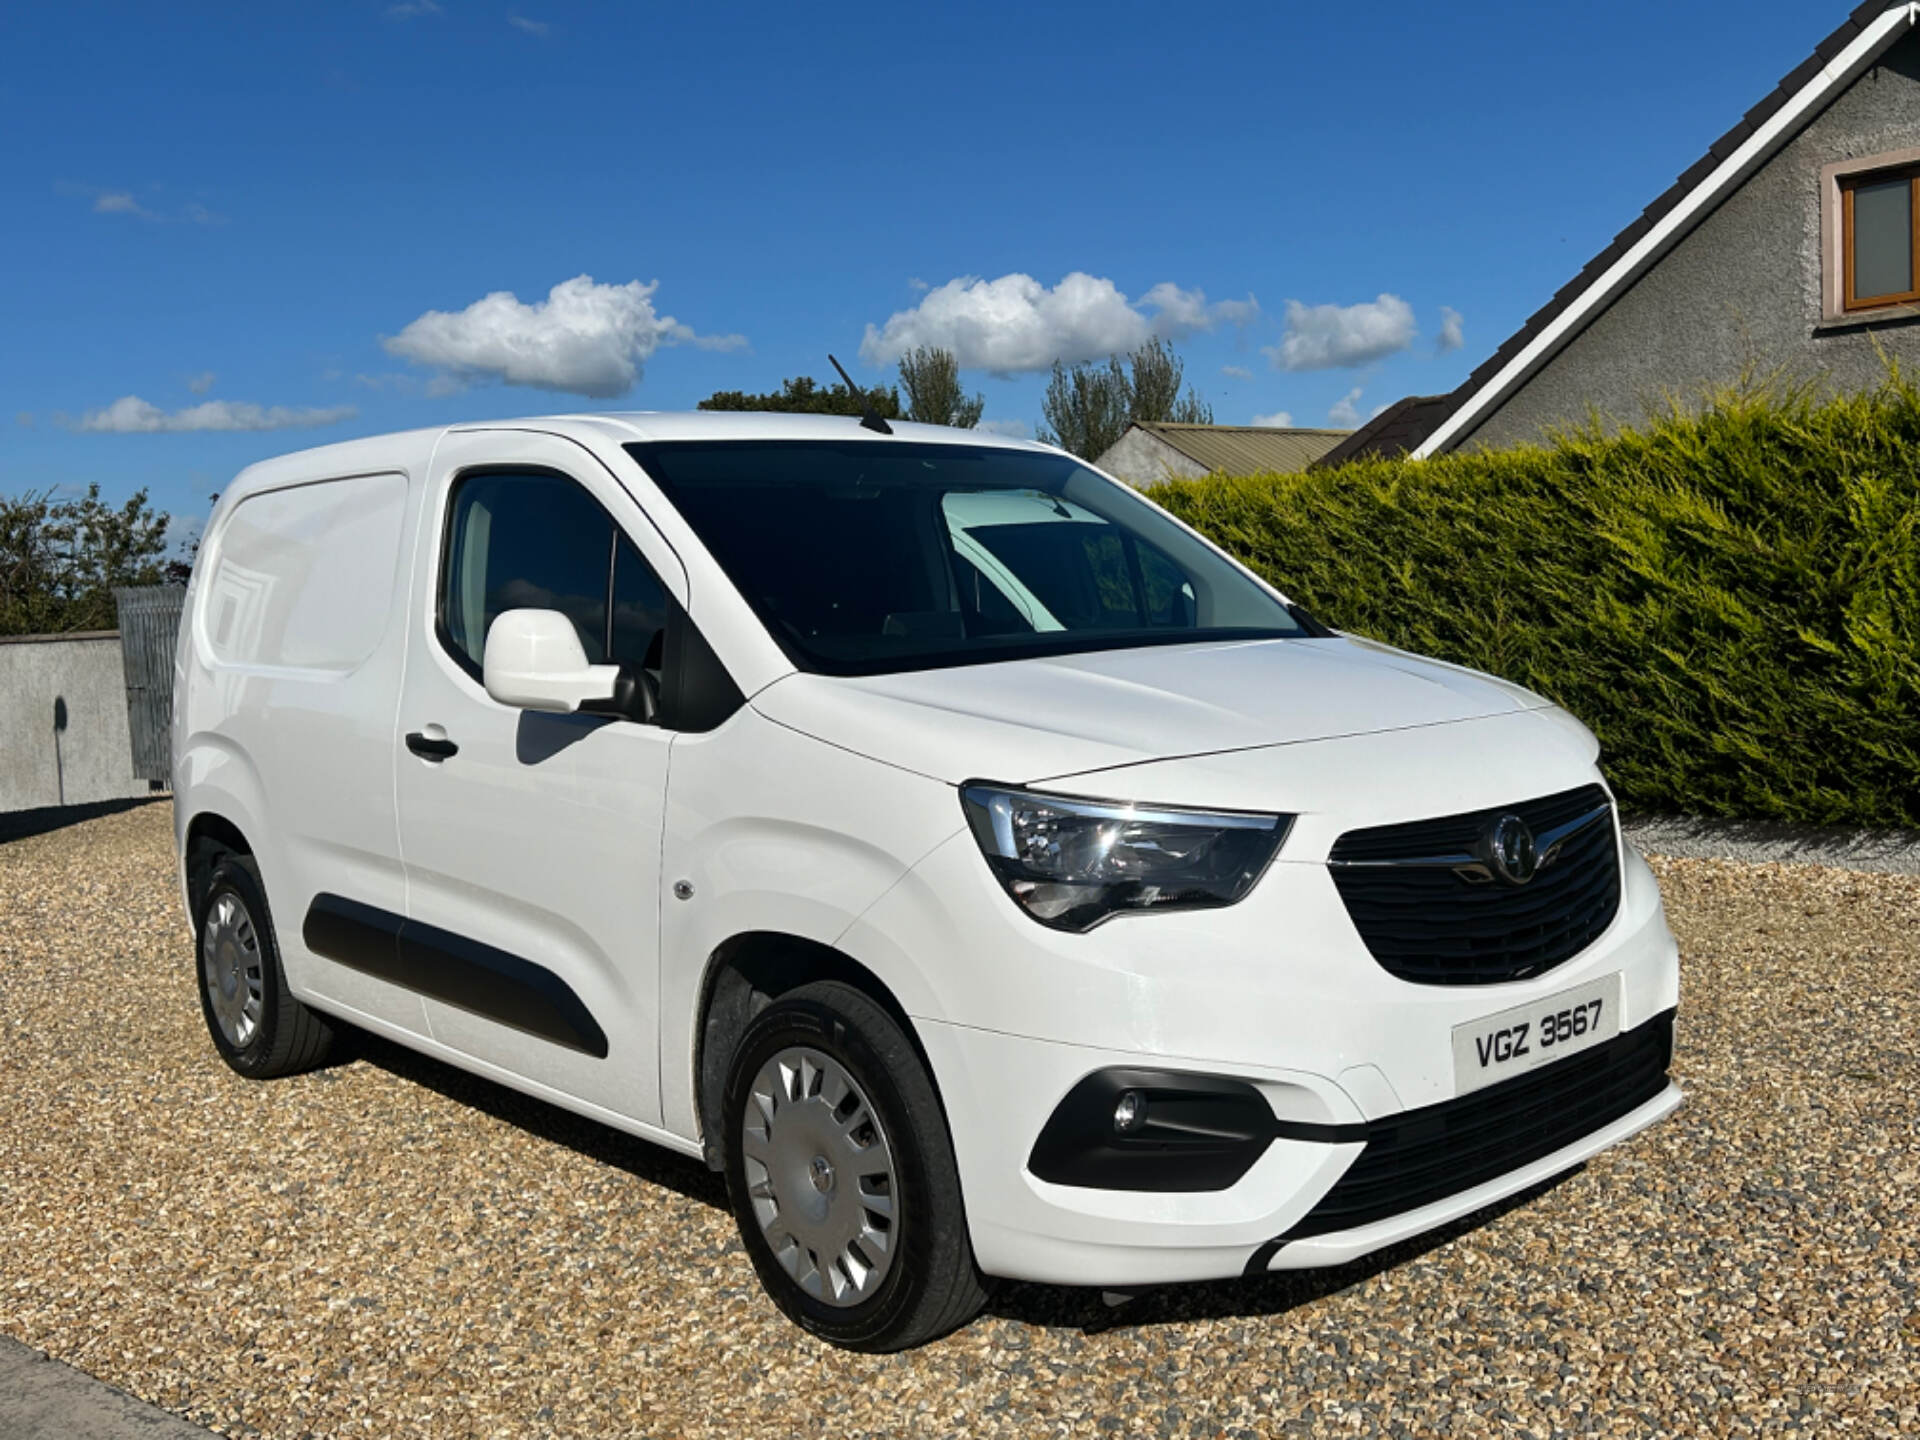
1142	459
92	759
1742	293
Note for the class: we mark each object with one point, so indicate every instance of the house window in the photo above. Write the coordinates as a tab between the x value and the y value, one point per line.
1880	238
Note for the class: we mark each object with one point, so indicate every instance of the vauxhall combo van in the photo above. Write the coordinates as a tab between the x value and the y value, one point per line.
985	872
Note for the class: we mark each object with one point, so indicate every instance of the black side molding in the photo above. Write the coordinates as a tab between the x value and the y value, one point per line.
443	966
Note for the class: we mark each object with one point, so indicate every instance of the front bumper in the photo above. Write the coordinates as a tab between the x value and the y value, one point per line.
1273	1218
1327	1039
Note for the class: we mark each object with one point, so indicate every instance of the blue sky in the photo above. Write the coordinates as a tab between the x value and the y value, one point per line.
229	227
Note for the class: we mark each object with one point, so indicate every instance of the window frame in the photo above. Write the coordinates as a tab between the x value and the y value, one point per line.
1837	309
1850	302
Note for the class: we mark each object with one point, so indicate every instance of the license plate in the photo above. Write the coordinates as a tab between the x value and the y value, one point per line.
1498	1047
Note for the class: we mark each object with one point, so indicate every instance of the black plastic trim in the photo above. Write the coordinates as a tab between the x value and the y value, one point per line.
697	693
1418	1157
451	968
1259	1262
1433	923
1202	1132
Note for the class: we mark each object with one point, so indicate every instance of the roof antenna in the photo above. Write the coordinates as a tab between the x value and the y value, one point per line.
869	417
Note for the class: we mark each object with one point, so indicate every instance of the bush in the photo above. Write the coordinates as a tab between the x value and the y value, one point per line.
1731	600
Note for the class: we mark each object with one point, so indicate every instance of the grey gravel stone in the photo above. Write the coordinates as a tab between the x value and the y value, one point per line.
392	1248
1889	852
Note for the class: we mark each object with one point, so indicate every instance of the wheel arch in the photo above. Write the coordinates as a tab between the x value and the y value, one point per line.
207	831
744	975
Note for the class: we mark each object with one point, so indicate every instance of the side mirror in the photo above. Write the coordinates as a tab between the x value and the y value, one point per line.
534	662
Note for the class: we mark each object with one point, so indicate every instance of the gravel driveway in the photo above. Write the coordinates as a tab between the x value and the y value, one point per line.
390	1248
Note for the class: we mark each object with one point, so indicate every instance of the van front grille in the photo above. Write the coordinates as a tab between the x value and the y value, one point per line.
1434	908
1420	1156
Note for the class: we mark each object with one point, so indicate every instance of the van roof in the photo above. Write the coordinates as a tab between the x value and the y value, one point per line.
757	425
407	447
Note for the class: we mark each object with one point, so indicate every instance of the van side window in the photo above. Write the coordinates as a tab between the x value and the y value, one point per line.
640	611
540	542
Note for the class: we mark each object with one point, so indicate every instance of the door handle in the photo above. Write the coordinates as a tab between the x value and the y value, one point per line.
428	748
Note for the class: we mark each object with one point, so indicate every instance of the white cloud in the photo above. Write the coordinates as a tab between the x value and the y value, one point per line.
122	202
1278	420
1238	372
1346	410
1451	337
118	202
130	415
532	27
583	339
1330	337
413	9
1012	429
1015	324
200	384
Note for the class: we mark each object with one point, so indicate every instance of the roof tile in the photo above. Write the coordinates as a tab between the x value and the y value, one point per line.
1837	41
1731	141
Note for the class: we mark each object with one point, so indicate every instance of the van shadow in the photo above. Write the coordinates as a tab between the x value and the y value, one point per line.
540	736
1270	1295
1050	1306
639	1158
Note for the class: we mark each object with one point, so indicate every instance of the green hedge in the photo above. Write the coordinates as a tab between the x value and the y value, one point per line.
1731	600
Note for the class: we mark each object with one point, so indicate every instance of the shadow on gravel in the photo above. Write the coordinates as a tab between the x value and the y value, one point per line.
639	1158
1045	1305
1272	1294
20	824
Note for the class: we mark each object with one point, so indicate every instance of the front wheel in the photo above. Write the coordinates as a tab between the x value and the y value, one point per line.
842	1177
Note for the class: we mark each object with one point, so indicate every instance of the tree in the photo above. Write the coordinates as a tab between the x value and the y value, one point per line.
931	378
1086	407
1156	396
807	396
1089	407
60	560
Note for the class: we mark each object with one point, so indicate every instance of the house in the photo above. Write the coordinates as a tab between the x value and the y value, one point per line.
1151	451
1792	246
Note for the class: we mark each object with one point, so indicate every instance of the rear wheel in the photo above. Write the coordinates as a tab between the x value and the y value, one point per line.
842	1176
257	1025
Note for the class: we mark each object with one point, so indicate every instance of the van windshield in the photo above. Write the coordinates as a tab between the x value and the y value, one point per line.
867	557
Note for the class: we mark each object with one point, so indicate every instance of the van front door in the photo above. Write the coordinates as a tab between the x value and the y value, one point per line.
532	841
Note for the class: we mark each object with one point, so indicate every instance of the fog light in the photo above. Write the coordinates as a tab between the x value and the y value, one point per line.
1130	1112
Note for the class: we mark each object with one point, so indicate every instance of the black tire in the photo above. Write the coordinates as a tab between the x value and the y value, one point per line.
287	1037
932	1285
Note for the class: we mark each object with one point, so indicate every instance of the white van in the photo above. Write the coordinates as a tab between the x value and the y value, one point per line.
983	870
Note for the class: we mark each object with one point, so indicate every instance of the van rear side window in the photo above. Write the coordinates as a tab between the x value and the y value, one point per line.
303	577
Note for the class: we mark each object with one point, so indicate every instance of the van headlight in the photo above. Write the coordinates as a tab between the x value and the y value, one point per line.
1071	863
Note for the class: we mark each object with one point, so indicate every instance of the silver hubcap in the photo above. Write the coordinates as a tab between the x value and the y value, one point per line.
820	1173
230	961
